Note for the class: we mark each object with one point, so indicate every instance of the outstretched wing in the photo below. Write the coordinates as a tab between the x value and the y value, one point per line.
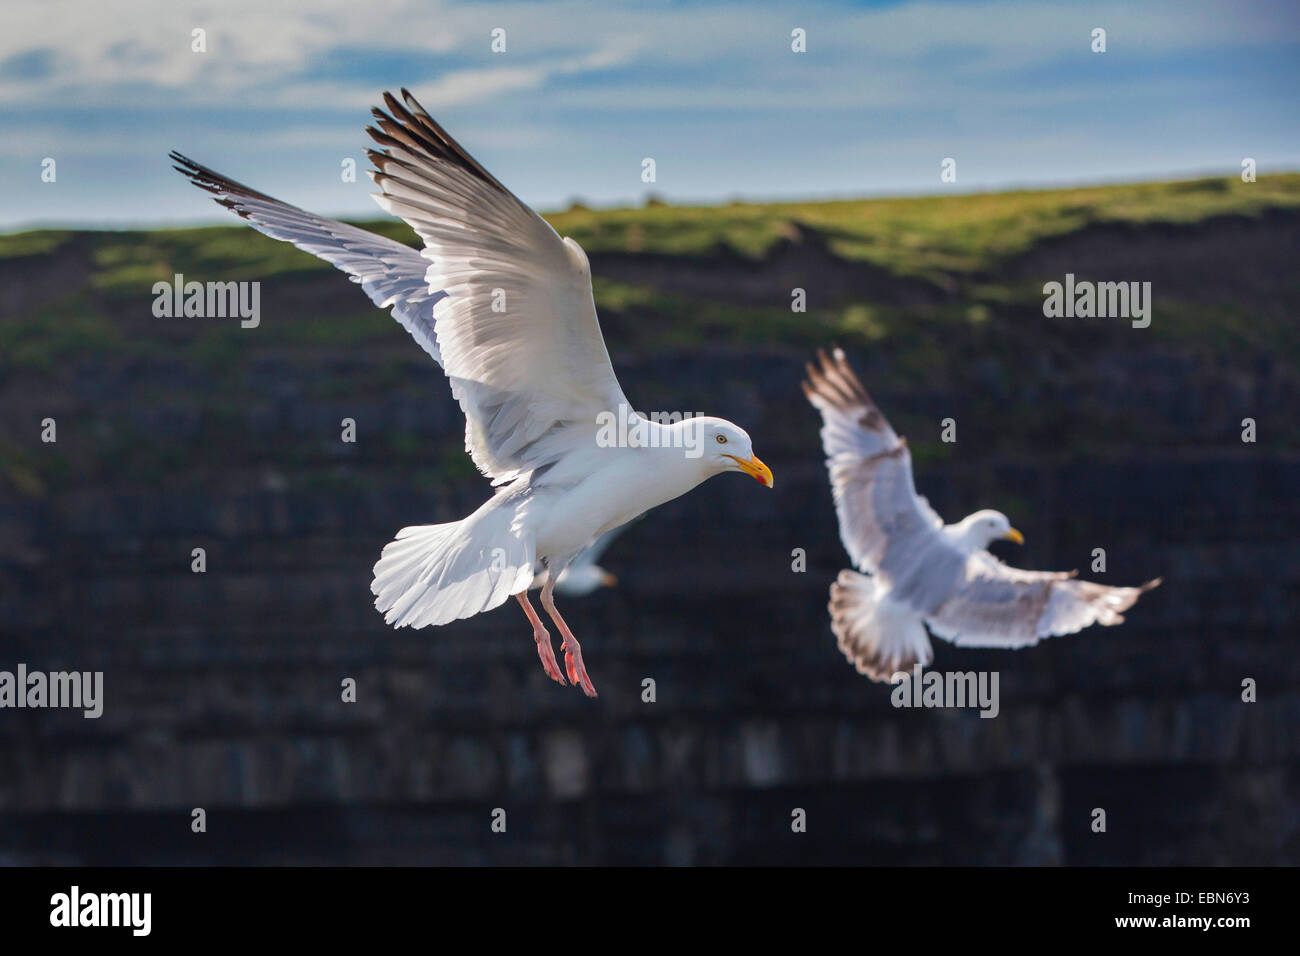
884	524
515	325
517	331
993	605
391	274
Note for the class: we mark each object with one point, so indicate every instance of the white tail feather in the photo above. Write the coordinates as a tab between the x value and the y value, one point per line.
879	637
433	574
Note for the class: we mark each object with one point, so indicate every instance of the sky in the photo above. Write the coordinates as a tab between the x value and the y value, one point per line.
584	92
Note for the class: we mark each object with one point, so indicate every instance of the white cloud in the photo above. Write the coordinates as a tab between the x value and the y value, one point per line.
585	87
253	45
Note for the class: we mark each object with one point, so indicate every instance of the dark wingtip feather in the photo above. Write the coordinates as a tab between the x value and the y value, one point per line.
411	128
225	190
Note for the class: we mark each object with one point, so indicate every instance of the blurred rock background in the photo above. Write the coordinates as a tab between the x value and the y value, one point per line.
222	689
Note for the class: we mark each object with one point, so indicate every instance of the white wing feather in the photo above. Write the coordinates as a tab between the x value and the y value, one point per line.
391	274
994	605
497	298
882	518
517	332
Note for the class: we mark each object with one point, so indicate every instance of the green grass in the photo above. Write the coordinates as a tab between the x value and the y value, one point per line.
37	243
961	238
927	236
128	263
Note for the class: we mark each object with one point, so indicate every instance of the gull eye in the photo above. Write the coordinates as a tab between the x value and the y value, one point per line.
722	439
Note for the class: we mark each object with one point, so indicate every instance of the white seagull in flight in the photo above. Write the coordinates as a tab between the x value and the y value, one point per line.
922	571
505	307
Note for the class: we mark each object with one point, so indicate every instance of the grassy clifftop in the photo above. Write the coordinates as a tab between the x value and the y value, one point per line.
943	295
928	236
872	268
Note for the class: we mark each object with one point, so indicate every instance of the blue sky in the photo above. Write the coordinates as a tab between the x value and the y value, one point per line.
585	91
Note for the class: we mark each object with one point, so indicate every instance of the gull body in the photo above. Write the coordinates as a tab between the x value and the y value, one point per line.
504	305
584	575
625	482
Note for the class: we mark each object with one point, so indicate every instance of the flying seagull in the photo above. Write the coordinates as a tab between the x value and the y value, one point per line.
919	571
505	307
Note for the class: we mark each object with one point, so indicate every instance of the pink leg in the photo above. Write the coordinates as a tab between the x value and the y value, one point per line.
572	650
543	639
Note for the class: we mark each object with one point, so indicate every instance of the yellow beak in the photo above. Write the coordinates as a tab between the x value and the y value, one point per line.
609	580
1014	535
755	469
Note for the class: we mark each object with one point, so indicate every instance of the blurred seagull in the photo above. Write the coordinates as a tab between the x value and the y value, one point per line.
584	575
505	307
923	572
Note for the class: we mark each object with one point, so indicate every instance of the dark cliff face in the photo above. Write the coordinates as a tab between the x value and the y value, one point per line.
222	689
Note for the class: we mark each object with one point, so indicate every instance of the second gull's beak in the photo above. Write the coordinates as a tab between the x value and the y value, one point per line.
755	469
608	580
1014	535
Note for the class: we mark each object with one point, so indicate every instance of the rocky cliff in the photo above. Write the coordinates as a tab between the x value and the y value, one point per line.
222	688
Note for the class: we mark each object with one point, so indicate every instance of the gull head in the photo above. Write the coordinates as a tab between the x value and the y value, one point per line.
726	447
982	528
